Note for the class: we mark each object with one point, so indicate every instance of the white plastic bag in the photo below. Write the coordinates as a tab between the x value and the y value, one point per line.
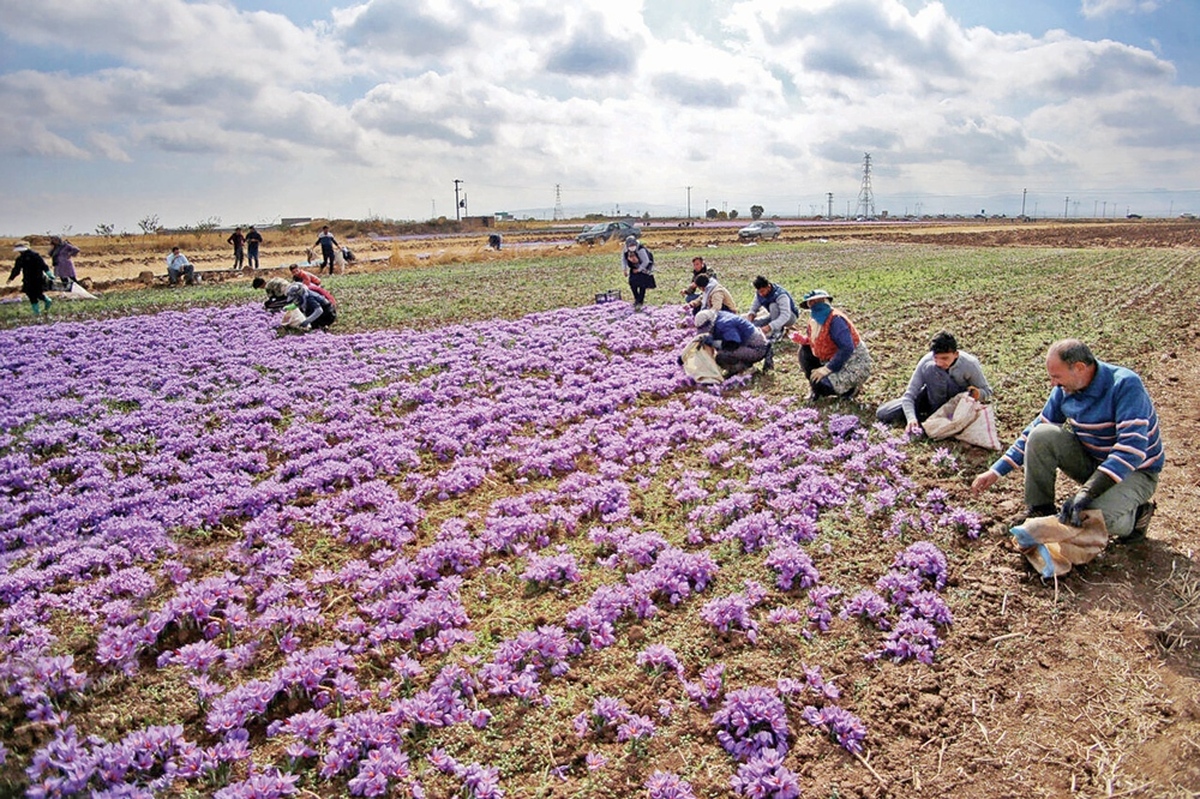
292	318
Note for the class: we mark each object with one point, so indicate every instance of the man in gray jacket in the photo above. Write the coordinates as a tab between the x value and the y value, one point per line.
941	373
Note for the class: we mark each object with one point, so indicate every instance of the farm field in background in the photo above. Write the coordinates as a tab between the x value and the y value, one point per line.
485	537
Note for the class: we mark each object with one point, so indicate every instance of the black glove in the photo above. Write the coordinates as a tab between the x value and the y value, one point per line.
1073	507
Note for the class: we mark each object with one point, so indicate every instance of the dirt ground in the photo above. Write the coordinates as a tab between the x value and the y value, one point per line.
1085	687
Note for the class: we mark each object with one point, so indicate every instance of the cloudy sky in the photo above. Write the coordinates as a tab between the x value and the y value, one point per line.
247	111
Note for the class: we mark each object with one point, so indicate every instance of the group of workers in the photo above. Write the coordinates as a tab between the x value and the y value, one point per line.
1098	426
307	305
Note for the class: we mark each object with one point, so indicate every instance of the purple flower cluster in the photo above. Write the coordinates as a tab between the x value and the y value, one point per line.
764	776
752	720
346	531
846	728
730	613
664	785
907	605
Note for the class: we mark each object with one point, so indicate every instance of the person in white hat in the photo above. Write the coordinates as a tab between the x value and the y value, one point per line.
833	356
33	270
737	344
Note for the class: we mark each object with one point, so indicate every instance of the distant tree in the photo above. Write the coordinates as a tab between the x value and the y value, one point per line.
733	214
712	213
105	229
756	212
149	224
208	225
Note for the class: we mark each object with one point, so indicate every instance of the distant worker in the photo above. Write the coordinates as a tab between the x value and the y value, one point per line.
253	240
178	264
238	240
62	254
33	270
638	263
942	373
318	311
327	243
833	356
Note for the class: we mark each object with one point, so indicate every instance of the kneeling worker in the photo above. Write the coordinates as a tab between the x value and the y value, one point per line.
834	359
318	311
736	342
1098	427
942	373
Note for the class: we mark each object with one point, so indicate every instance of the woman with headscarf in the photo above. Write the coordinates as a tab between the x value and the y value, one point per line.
834	357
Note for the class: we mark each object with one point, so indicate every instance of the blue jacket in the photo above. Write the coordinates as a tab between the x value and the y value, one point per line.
1112	417
734	329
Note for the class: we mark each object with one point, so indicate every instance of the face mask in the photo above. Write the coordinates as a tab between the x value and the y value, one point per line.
820	312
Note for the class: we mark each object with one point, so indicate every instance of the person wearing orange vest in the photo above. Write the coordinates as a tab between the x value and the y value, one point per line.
834	357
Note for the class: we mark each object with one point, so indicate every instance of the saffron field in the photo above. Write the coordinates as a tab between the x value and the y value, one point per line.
489	556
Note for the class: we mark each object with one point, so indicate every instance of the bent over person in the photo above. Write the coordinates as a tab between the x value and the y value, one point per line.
942	373
736	342
1098	427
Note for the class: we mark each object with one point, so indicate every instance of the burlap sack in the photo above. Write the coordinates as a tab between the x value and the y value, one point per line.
700	365
1053	547
964	418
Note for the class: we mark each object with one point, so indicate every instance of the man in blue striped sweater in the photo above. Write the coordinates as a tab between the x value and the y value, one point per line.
1099	427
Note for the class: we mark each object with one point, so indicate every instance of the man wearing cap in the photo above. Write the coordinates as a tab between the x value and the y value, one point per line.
736	342
773	308
638	264
942	373
834	358
1098	427
32	268
318	311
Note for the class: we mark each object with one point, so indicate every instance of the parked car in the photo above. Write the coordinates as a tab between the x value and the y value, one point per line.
607	230
762	229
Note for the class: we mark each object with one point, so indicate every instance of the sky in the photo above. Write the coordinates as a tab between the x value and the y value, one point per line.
249	111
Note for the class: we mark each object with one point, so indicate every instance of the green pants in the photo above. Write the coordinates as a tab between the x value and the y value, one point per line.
1051	447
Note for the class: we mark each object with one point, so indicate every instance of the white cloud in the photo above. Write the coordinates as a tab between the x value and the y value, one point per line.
1103	8
389	100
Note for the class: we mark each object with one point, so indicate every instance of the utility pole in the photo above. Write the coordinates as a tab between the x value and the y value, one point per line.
558	209
457	202
1023	193
689	202
433	209
1066	206
829	199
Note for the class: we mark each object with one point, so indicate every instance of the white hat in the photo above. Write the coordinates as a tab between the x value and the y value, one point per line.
705	318
21	246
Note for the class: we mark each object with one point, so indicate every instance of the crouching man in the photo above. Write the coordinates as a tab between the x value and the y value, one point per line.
318	311
737	344
1100	428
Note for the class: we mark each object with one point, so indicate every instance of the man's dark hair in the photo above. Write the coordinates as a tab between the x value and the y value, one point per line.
701	281
1072	350
761	282
943	342
258	283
